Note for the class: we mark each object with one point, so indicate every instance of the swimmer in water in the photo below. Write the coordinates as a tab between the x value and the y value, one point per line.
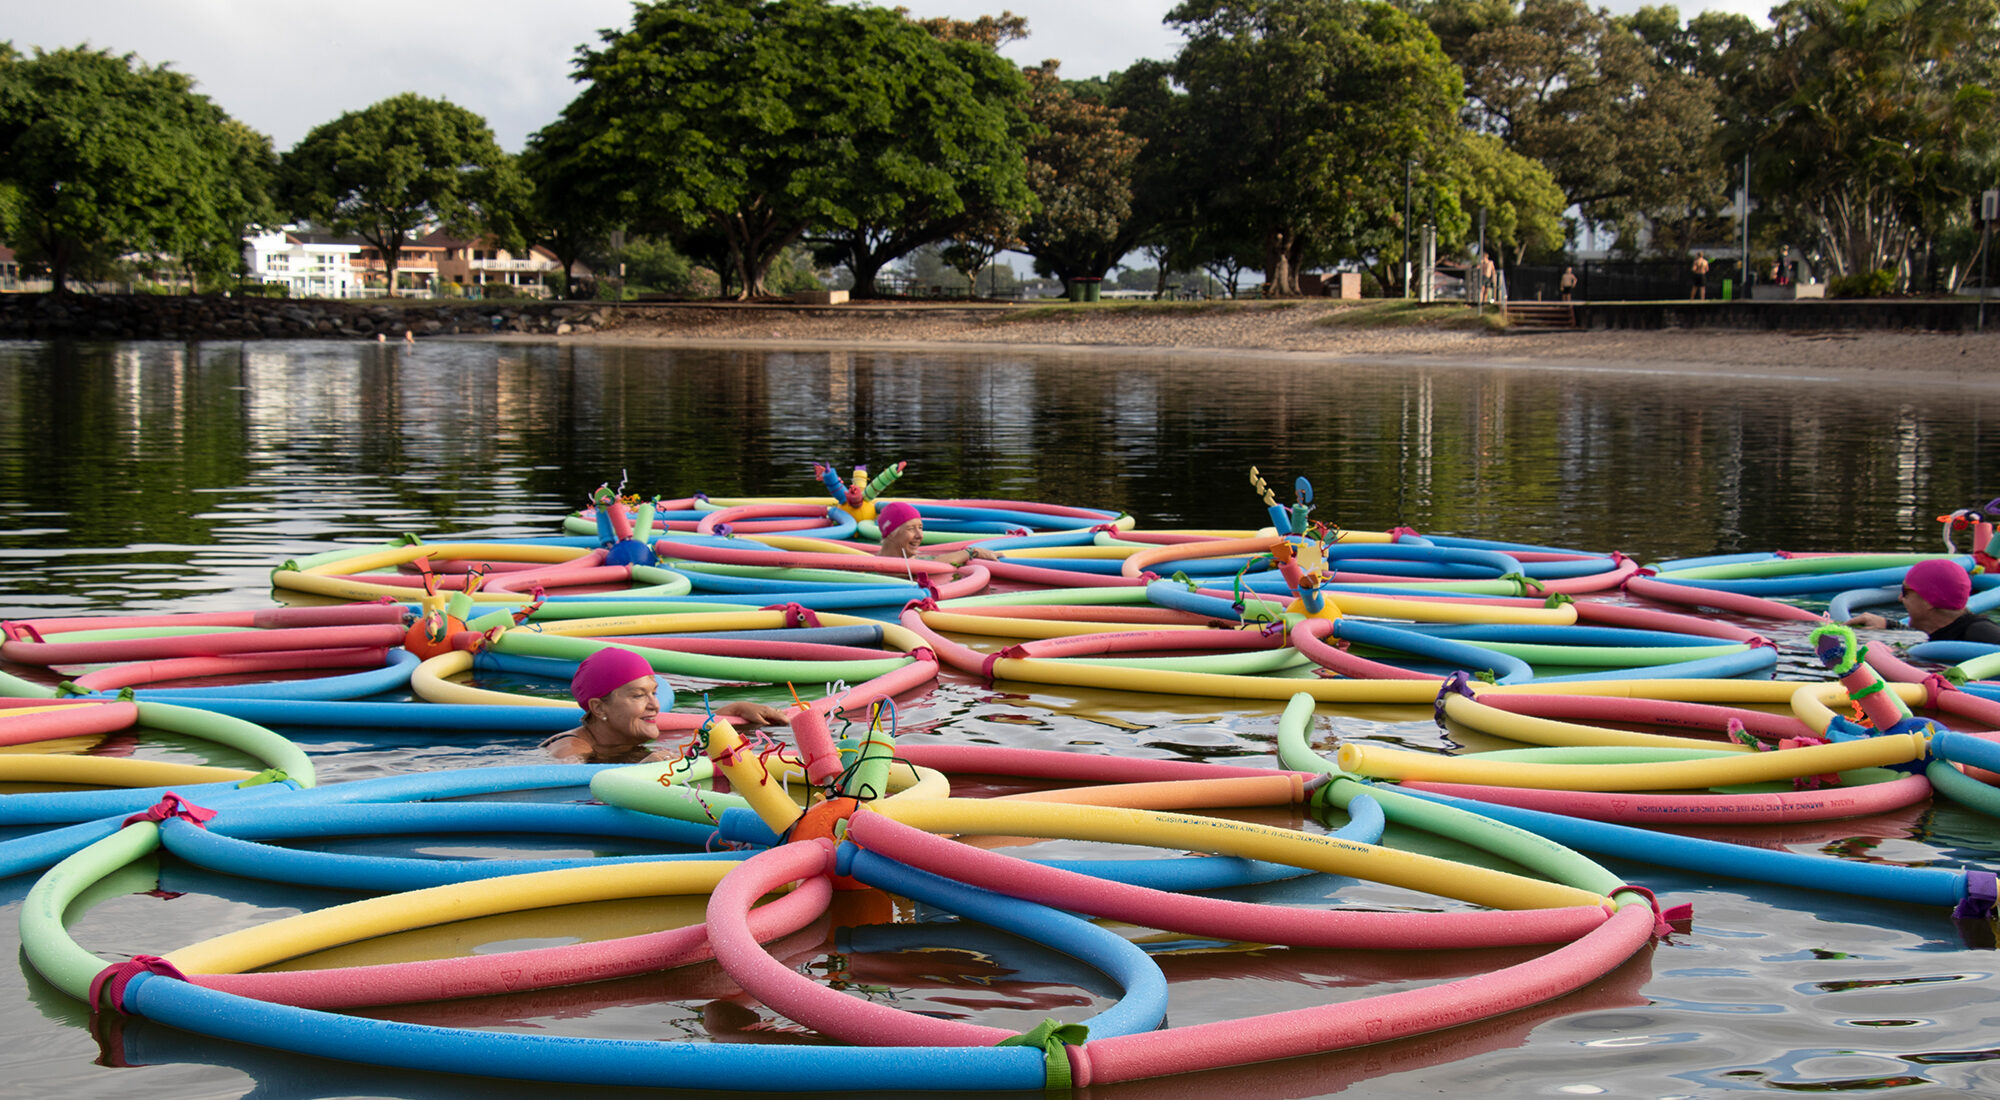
619	695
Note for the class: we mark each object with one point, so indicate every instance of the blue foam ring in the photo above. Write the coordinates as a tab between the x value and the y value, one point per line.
1962	788
39	851
577	542
1750	661
1506	669
1492	561
1964	748
1460	542
457	717
1951	653
394	675
729	582
1842	606
818	601
1798	584
1025	960
68	807
1174	594
459	782
730	1067
217	851
632	551
1921	885
1144	1004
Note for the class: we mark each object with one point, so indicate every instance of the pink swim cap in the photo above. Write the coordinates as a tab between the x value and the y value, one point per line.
604	672
1942	583
894	515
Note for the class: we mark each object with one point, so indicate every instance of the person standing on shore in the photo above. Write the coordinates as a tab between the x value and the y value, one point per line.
1935	592
1568	282
1700	275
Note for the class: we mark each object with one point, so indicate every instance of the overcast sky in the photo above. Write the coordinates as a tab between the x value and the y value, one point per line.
286	66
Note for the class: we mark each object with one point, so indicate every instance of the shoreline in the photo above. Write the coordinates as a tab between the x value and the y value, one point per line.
1298	332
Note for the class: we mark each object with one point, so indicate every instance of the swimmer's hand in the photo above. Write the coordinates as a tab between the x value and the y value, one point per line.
1868	620
757	714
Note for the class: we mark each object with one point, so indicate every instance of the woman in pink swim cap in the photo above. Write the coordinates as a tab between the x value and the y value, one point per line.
619	695
903	535
1935	592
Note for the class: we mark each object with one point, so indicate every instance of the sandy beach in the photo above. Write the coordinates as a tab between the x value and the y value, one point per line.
1306	330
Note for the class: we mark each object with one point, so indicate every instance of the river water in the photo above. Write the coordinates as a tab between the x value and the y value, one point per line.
156	476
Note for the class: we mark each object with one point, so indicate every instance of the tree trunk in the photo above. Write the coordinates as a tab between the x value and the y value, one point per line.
1280	279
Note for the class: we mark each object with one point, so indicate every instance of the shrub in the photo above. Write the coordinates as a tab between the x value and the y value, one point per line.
1870	284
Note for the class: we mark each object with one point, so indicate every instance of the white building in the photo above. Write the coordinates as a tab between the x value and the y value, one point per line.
309	265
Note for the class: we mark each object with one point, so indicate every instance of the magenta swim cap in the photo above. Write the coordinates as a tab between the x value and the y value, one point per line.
604	672
895	515
1942	583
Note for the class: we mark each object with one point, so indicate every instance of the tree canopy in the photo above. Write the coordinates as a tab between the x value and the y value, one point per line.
1305	114
760	121
388	170
103	155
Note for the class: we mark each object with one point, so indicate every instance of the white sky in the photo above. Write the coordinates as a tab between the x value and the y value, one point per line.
286	66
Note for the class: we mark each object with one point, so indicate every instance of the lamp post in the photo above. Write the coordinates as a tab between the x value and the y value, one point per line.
1409	166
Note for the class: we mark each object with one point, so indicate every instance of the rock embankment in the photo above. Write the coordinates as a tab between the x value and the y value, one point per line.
207	317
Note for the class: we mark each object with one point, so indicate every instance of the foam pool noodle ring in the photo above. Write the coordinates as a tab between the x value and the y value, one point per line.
600	503
748	776
1303	577
816	746
883	480
1841	652
868	777
1303	507
430	634
1281	518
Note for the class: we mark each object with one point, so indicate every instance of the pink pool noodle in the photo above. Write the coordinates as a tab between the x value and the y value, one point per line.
351	614
1739	603
73	720
1358	1023
1218	918
816	745
796	996
1080	767
190	668
202	645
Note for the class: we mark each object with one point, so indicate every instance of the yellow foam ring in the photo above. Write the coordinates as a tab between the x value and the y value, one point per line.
1179	794
431	681
717	504
110	771
1007	626
1775	693
1430	611
766	793
1221	836
290	937
929	783
1530	730
591	921
1378	762
1819	702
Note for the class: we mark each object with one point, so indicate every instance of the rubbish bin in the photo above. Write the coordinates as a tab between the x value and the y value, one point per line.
1076	290
1090	288
1728	288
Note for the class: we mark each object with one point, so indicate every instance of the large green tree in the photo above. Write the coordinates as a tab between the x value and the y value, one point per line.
102	155
570	210
758	120
1624	133
978	136
1883	123
406	162
1307	111
1080	165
